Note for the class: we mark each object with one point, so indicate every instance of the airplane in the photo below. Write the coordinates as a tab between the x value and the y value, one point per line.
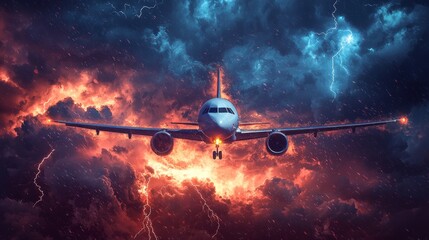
218	122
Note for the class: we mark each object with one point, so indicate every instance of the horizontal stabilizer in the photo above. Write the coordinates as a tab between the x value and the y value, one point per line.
186	123
253	123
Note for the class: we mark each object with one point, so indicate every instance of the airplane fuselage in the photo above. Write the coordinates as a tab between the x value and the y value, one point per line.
218	120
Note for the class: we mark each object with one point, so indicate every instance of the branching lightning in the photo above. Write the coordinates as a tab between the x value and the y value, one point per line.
345	41
146	7
46	102
210	213
147	210
39	171
335	21
129	8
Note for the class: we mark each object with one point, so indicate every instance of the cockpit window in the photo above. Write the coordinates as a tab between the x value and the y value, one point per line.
220	110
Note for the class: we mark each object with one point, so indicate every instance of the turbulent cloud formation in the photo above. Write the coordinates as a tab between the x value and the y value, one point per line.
151	62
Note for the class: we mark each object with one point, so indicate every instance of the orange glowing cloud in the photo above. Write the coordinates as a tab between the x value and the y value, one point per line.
303	177
4	76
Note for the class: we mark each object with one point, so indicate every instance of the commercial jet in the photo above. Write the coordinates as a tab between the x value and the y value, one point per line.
218	122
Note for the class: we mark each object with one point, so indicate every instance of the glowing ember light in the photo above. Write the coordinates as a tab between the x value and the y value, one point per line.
403	120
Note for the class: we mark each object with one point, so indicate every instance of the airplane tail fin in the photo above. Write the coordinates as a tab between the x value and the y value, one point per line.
218	84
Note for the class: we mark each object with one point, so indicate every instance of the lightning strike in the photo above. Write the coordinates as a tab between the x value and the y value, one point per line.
46	102
39	170
146	7
345	41
147	210
126	8
210	213
335	21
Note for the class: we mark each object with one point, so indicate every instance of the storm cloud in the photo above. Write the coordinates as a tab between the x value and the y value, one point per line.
148	63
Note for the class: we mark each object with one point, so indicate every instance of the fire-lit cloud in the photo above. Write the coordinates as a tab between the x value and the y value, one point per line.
150	63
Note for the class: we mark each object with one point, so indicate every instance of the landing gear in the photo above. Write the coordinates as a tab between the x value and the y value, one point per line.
217	153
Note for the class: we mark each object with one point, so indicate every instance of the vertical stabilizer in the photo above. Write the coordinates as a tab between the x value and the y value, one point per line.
218	84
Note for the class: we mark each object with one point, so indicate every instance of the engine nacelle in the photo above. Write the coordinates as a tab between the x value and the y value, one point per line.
276	143
162	143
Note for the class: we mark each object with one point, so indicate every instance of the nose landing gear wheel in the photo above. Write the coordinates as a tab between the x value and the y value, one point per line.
217	153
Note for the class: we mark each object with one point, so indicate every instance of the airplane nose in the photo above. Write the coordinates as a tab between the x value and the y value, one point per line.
221	128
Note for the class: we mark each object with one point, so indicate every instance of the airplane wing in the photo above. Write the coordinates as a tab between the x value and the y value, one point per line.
262	133
189	134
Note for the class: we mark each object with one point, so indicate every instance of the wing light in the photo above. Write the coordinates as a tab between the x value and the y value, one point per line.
217	141
47	121
403	120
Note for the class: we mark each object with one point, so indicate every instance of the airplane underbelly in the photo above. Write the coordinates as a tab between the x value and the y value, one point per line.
214	128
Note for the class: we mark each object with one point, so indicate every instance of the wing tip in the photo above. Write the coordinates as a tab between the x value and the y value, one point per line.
402	120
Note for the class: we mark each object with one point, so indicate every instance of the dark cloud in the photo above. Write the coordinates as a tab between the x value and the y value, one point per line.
280	190
119	149
145	62
20	220
68	110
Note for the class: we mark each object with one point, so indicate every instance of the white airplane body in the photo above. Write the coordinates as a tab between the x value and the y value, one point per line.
218	122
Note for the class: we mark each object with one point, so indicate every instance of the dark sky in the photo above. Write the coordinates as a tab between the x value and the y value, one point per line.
147	63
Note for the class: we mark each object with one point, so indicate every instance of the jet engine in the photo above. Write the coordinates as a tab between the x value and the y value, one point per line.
162	143
276	143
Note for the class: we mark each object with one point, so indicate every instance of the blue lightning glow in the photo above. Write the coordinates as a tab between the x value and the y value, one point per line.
335	21
345	41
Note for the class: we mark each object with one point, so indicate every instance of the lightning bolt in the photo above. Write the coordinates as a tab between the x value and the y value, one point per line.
343	43
39	171
146	7
44	104
137	13
147	210
210	213
335	21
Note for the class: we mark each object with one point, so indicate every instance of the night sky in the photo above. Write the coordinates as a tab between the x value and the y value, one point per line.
147	63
